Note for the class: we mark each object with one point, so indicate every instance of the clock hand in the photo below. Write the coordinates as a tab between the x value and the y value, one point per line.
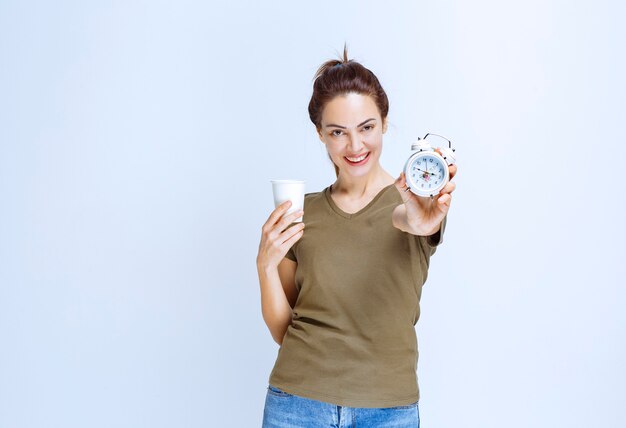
429	173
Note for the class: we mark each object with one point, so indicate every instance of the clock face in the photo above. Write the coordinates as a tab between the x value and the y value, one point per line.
427	173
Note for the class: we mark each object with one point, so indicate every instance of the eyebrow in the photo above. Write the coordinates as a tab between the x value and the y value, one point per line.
343	127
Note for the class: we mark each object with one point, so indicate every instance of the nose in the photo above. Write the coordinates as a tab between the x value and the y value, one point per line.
355	143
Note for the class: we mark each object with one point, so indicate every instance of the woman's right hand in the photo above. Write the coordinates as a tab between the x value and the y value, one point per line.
275	240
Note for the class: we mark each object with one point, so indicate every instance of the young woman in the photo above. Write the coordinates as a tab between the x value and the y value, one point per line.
340	291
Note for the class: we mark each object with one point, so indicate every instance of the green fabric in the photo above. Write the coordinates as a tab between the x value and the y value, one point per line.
352	341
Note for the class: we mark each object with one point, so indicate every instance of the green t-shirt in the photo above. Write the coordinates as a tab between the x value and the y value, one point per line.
352	340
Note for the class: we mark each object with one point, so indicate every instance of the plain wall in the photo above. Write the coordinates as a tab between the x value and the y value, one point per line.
137	141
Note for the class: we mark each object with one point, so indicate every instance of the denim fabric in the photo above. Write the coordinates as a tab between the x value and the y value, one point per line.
284	410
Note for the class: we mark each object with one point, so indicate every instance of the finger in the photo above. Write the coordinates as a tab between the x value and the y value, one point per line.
278	212
444	200
452	169
400	182
402	188
288	219
449	188
291	235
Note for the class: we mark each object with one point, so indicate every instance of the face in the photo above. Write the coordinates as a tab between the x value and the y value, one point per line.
352	127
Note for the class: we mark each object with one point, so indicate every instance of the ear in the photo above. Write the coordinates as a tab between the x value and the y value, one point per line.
384	125
319	134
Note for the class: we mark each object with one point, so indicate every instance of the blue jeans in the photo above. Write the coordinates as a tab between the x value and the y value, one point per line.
284	410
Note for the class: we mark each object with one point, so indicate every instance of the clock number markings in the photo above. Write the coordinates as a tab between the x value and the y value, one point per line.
432	172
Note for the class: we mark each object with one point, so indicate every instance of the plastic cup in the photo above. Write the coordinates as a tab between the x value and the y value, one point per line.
289	190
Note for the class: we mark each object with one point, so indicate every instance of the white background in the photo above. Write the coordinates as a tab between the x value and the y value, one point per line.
137	141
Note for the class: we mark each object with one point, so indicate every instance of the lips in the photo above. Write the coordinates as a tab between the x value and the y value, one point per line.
362	161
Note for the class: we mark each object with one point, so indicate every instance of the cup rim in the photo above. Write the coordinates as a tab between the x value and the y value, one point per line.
288	181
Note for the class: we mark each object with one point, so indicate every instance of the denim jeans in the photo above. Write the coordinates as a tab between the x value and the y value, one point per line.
284	410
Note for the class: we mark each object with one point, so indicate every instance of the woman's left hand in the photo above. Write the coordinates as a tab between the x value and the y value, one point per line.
423	215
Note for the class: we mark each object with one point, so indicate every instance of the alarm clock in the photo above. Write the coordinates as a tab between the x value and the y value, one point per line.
426	171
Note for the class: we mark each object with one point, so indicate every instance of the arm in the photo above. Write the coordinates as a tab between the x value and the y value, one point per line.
278	296
423	216
399	220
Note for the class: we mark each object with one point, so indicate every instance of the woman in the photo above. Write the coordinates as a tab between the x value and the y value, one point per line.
342	297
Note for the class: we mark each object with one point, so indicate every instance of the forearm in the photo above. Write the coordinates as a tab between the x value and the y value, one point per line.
277	312
398	218
400	221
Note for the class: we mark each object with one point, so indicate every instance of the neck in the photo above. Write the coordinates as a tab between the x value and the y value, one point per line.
356	187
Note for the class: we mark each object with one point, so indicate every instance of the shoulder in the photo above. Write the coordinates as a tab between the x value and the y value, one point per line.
313	197
315	205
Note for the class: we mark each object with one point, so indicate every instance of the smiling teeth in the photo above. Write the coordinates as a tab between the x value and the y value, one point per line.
359	159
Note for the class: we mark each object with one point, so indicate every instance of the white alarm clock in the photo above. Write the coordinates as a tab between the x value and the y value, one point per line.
426	171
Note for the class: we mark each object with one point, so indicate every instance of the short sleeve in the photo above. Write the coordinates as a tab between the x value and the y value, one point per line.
291	255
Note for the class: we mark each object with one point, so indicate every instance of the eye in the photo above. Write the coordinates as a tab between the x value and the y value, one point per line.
333	133
368	127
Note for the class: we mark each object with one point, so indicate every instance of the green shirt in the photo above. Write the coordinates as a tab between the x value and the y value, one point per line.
352	340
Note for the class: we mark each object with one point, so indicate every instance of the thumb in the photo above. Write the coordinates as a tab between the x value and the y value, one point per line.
399	183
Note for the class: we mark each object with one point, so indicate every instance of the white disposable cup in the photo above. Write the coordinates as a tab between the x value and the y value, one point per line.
289	190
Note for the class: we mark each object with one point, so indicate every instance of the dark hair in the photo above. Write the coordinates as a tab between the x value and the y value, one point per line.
341	77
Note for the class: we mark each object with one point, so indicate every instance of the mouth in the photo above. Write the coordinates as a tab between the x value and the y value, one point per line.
359	160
